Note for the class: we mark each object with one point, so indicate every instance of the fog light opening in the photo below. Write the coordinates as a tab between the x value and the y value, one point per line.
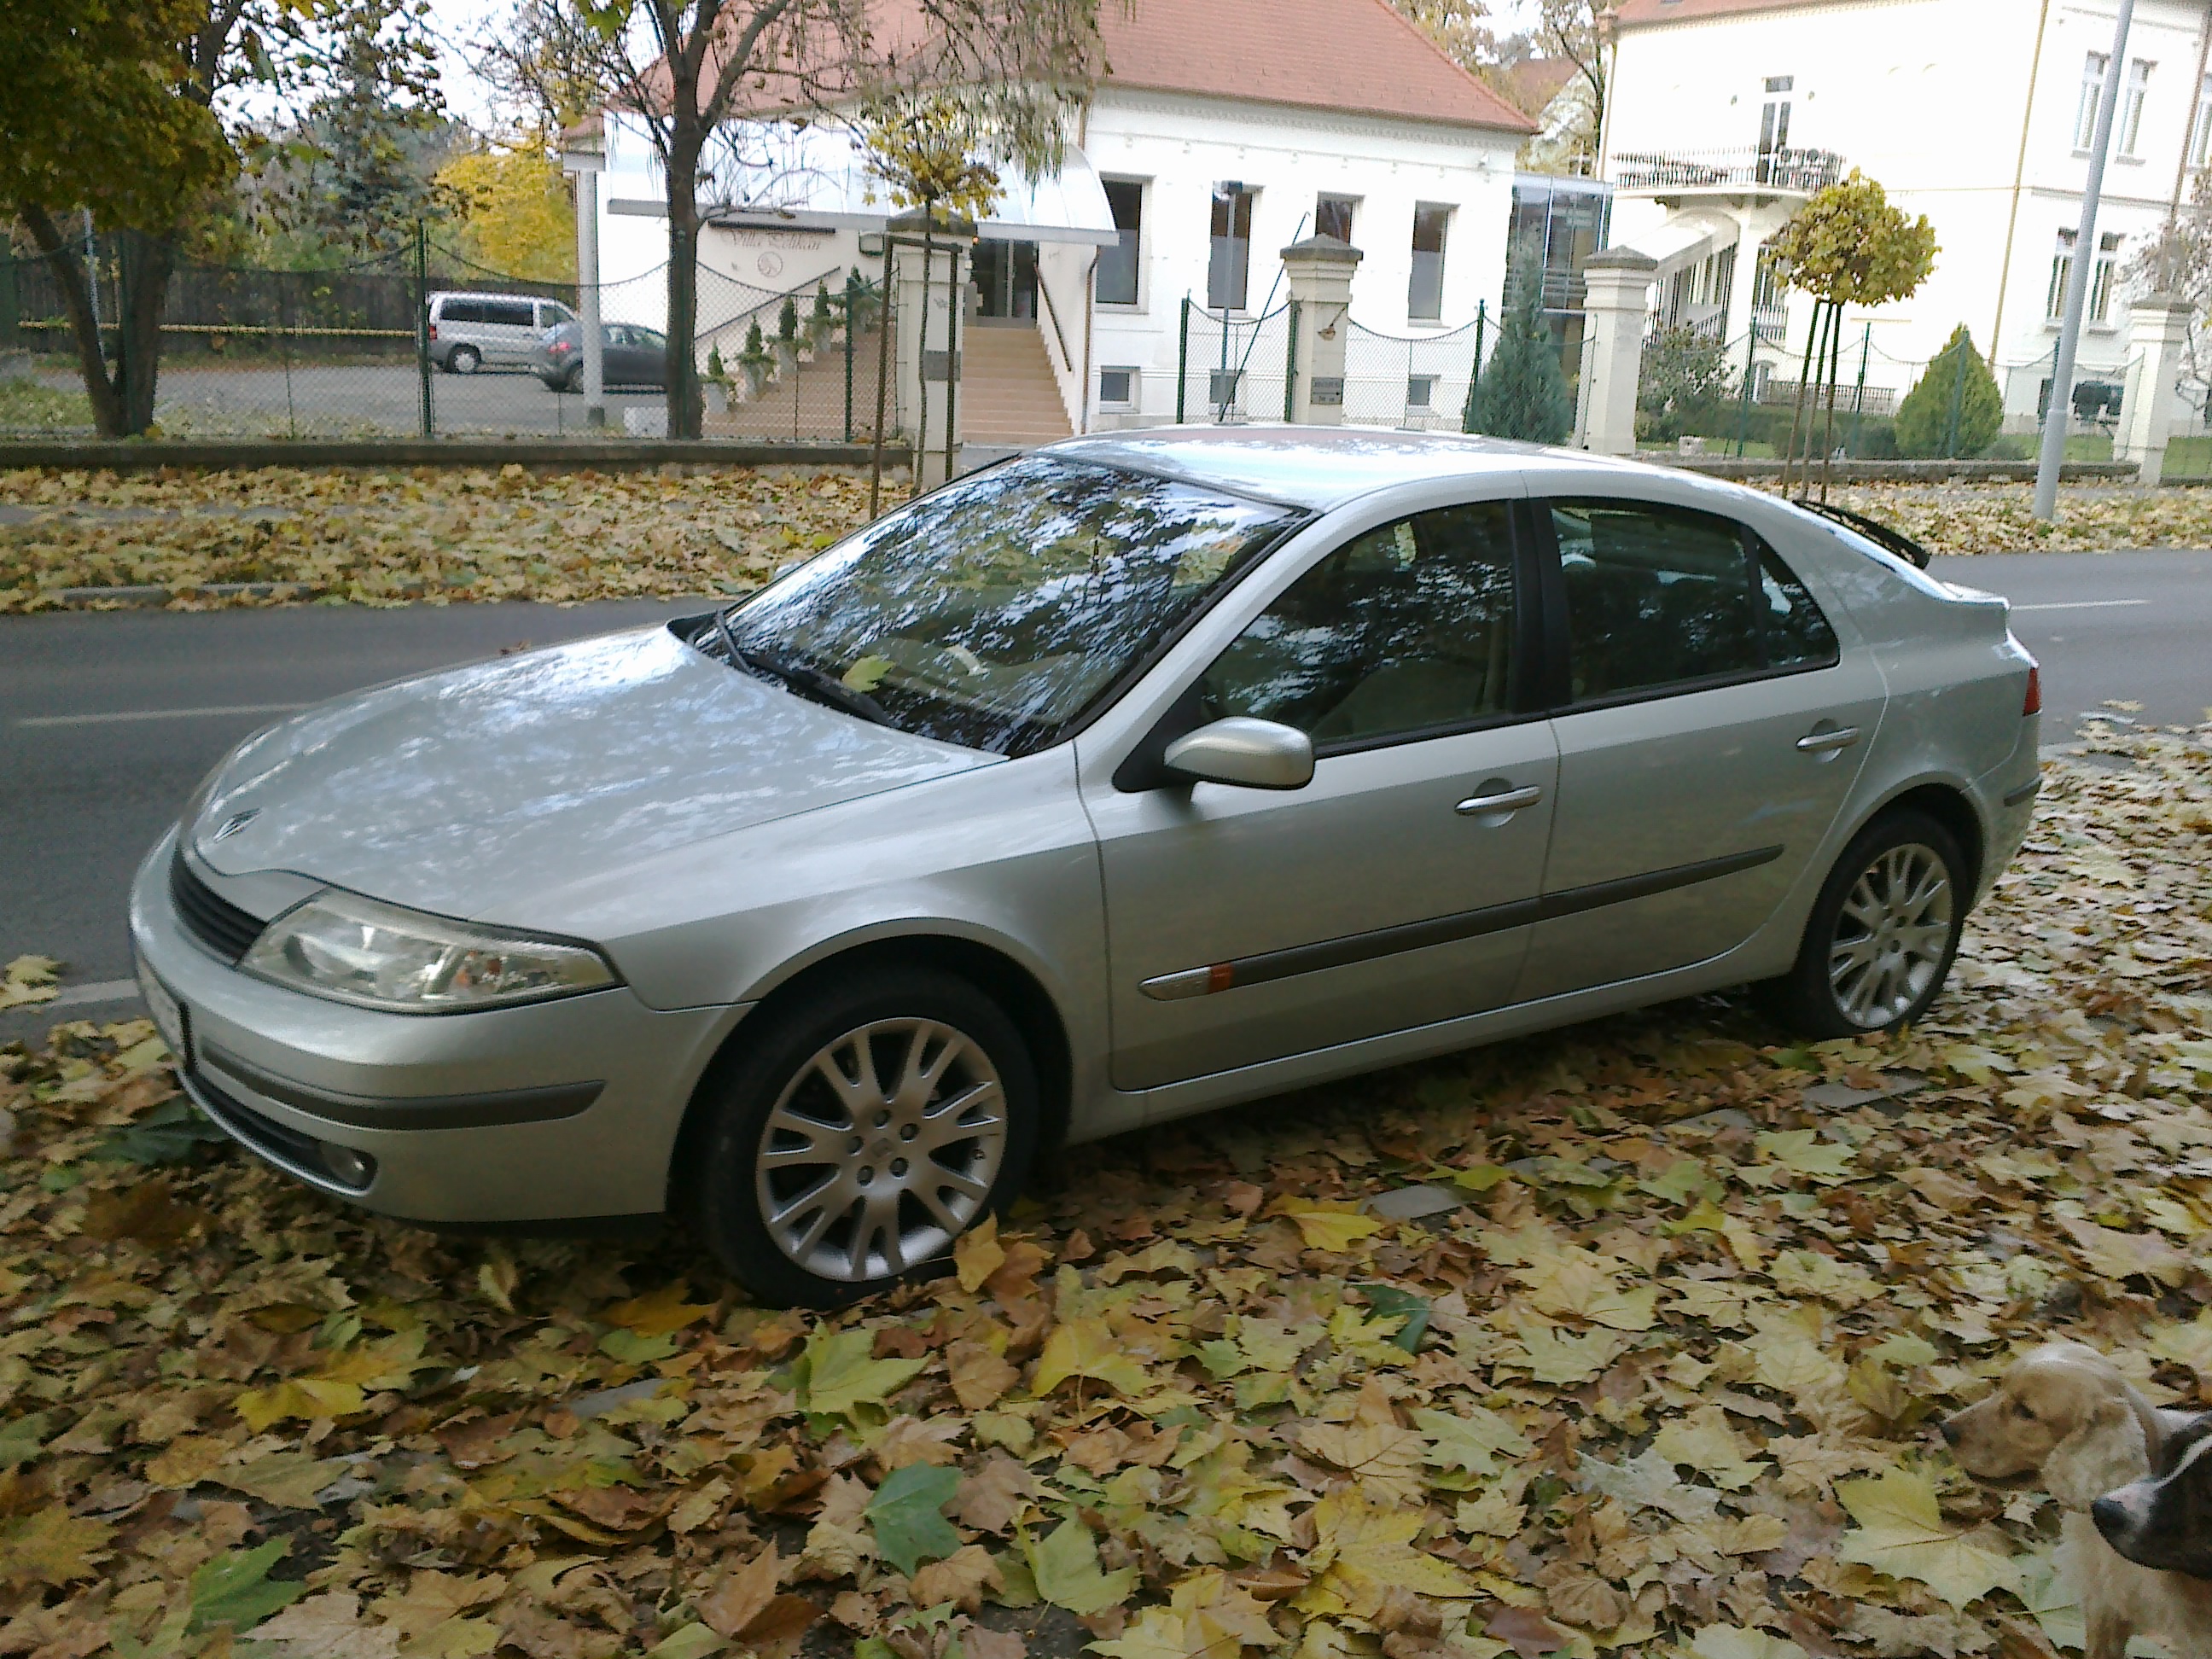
354	1169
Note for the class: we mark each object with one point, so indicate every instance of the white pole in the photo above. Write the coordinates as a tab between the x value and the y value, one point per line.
2058	415
588	298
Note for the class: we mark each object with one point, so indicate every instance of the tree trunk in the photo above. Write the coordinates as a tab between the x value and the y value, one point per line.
1834	367
686	142
1797	419
149	260
74	279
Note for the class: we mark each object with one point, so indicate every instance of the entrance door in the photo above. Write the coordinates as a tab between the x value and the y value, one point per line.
1005	278
1712	735
1393	890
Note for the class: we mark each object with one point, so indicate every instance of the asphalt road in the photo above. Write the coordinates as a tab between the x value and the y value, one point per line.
345	399
110	720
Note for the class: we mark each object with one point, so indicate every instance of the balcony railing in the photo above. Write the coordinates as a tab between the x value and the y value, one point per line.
1803	171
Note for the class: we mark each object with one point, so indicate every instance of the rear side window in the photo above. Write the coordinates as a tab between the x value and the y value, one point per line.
509	313
1656	596
1406	630
460	310
1797	635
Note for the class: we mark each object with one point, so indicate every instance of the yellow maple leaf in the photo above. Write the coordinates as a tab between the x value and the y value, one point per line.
1564	1361
1086	1347
1327	1226
50	1547
977	1254
658	1312
1705	1442
1576	1282
1385	1459
1901	1532
2118	1256
1367	1549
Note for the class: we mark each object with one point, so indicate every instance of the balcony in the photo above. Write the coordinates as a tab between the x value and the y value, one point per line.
1797	171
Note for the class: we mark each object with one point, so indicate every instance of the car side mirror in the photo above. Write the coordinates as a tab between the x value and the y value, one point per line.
1251	754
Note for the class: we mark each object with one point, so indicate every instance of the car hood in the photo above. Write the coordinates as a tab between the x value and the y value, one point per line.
469	791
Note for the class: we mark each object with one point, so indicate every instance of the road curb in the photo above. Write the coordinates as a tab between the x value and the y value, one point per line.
539	455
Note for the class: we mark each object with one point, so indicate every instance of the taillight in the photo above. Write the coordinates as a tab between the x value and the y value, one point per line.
434	331
2033	704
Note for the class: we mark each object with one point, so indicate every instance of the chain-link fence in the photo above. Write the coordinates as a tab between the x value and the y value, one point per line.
425	342
1231	369
1416	383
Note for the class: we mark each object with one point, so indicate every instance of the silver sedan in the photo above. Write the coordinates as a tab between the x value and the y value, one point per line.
1122	781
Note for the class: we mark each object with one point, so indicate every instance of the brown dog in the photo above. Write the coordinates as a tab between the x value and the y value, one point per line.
2066	1415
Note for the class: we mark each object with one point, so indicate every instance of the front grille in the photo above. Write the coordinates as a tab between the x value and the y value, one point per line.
207	916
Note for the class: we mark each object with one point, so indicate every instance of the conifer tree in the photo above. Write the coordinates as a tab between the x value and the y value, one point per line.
1523	391
1953	409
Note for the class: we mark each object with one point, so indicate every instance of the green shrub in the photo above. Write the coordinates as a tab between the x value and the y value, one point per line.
1925	420
787	320
1523	391
1683	389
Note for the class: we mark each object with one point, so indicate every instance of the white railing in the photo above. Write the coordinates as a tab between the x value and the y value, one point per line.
1800	170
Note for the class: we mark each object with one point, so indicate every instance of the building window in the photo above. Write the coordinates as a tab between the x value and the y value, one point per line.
1117	387
1424	291
1332	216
2103	276
2200	137
1420	391
1230	262
1117	265
2100	279
1774	115
2132	105
2093	94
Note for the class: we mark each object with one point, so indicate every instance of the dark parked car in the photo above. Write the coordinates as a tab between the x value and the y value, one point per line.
631	357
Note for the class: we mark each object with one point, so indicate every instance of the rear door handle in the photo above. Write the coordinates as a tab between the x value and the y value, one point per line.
1820	743
1512	800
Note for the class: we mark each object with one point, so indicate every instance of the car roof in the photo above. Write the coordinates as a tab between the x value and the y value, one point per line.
1319	467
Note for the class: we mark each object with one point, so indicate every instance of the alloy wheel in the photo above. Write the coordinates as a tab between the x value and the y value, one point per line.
881	1149
1892	936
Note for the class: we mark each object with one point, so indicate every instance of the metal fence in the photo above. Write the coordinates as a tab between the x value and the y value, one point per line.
1231	369
351	353
1415	382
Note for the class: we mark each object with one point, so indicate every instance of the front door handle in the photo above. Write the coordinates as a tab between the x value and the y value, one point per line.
1821	742
1512	800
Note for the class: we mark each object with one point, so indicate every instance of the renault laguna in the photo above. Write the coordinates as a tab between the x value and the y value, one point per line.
1133	777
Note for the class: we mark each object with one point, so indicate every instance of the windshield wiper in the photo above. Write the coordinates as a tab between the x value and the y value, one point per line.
800	676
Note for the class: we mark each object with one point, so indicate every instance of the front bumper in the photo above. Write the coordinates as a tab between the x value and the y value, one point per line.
551	1111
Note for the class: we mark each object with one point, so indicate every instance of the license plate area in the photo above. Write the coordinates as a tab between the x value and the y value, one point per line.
170	1018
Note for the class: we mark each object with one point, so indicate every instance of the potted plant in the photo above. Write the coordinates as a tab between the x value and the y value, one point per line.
753	362
822	321
717	386
787	337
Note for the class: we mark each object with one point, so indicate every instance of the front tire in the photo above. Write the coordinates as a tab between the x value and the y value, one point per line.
878	1119
1882	935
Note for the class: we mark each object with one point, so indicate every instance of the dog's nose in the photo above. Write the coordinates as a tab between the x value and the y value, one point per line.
1950	1431
2111	1516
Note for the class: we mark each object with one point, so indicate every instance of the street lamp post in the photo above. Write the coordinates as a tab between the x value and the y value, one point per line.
583	157
2061	405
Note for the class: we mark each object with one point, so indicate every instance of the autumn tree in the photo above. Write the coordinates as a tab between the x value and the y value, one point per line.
111	114
687	69
516	217
1846	247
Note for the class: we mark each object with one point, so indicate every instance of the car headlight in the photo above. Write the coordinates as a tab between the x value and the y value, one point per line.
355	949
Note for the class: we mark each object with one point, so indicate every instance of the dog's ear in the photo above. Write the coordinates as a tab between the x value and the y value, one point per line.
2103	1450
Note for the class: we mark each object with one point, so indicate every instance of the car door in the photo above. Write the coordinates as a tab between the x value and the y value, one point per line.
1710	732
1393	889
651	356
619	357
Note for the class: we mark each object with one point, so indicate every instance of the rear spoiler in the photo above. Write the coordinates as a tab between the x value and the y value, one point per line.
1896	541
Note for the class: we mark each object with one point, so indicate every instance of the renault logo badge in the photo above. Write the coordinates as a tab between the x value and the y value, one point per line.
236	822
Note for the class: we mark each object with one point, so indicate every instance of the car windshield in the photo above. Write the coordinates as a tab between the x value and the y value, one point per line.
993	612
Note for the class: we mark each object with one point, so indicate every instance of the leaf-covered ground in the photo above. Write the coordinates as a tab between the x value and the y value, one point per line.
437	535
1655	1372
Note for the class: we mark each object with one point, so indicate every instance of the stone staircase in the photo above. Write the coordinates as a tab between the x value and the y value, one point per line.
808	403
1008	396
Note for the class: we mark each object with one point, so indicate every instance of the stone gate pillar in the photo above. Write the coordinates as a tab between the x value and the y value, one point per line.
1319	270
2158	330
930	339
1619	301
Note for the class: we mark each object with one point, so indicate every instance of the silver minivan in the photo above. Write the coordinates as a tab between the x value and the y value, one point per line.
469	331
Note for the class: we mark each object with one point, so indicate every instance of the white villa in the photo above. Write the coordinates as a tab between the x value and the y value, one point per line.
1725	113
1223	132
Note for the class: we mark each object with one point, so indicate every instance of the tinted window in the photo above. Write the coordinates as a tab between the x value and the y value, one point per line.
993	611
1407	629
1797	634
648	338
1117	265
1656	596
509	313
460	310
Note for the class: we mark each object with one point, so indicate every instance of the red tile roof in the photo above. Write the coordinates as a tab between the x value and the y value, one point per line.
1359	55
1537	80
1639	14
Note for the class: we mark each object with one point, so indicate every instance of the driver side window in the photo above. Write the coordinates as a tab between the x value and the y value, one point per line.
1406	629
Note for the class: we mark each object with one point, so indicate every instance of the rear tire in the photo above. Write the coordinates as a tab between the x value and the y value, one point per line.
1882	935
865	1127
464	359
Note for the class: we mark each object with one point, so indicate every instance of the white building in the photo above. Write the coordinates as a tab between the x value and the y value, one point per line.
1223	133
1976	113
